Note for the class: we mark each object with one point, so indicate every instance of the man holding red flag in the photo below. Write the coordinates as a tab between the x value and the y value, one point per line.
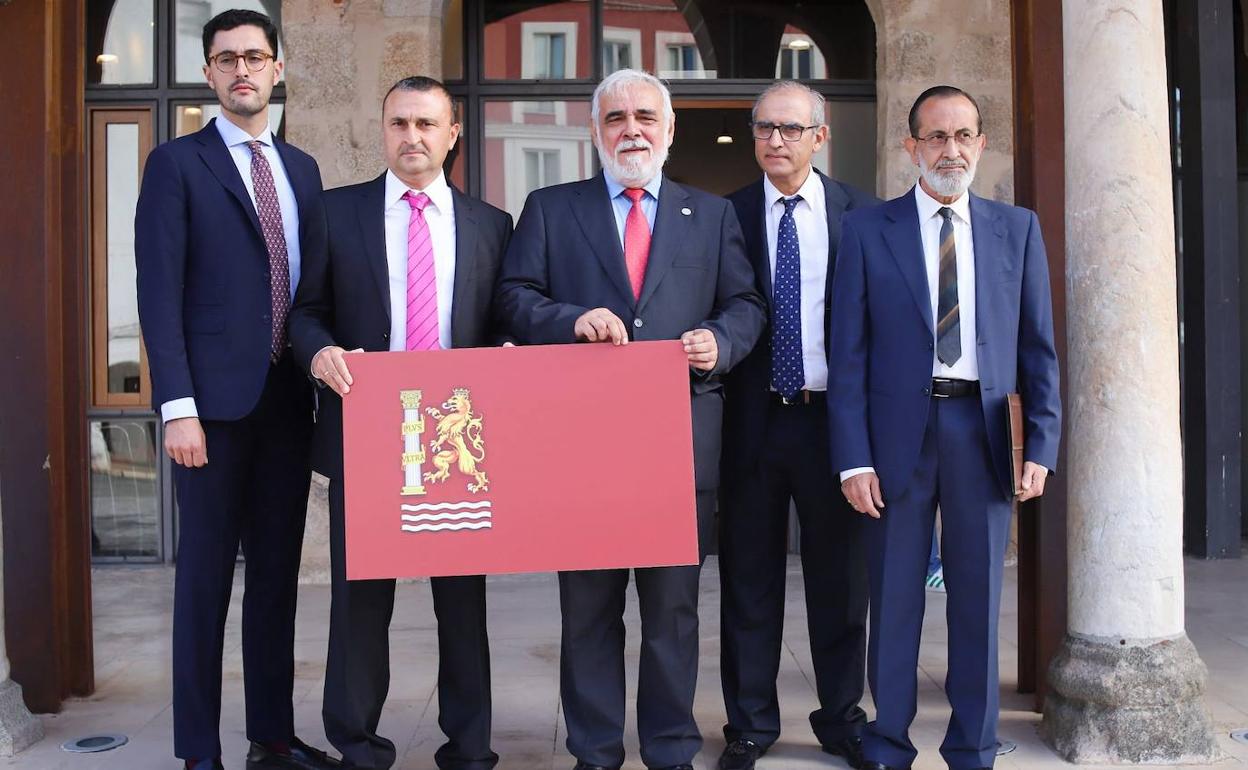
631	255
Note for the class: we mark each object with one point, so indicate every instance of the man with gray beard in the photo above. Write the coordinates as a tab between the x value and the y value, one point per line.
631	255
940	309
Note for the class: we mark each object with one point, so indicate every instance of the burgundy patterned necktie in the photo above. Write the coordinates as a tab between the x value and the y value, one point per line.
270	214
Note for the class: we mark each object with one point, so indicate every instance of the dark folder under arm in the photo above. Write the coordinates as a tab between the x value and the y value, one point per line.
1015	404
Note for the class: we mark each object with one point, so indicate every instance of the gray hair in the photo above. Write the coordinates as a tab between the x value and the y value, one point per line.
621	79
817	102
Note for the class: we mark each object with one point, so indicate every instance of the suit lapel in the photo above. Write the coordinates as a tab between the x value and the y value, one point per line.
371	210
754	228
671	227
217	157
465	266
302	186
906	244
836	203
594	213
988	235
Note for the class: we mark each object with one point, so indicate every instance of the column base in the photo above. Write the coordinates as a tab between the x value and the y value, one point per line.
19	729
1110	703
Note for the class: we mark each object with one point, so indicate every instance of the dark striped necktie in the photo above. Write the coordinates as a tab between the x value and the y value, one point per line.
948	323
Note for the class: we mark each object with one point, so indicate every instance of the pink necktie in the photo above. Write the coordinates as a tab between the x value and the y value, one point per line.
636	241
422	283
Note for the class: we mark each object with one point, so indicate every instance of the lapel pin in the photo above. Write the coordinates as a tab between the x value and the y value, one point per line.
686	211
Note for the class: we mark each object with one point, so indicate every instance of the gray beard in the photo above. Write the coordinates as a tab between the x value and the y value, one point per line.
633	174
948	185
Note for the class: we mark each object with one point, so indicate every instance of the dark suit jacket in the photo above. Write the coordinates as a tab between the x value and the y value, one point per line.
746	387
883	337
566	259
344	296
203	271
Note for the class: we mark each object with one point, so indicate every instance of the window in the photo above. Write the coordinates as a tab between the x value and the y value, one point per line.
549	50
799	58
682	58
616	55
541	169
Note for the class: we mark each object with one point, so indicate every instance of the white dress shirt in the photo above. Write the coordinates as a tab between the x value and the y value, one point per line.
810	215
930	221
440	216
236	140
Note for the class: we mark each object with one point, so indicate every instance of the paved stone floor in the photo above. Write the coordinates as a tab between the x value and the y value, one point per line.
132	606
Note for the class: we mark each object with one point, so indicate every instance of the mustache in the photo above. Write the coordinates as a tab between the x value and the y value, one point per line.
243	82
947	164
405	148
632	144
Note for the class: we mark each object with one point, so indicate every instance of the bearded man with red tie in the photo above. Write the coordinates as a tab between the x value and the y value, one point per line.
631	255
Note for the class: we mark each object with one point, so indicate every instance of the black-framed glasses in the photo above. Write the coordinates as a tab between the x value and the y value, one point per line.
789	132
227	61
938	139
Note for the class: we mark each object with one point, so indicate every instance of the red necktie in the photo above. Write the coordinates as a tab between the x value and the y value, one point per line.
636	241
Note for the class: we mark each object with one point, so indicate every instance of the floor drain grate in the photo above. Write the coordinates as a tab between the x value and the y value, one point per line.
1240	735
1005	747
93	743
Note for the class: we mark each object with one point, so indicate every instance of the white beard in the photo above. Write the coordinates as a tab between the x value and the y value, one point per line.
632	171
949	182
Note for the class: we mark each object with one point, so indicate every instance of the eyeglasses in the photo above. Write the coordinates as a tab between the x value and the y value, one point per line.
789	132
939	139
227	61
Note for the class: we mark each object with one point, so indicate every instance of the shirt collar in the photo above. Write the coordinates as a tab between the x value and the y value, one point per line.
929	206
811	191
233	135
438	190
615	189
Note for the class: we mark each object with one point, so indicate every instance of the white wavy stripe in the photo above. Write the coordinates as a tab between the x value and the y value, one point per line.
444	506
446	516
439	527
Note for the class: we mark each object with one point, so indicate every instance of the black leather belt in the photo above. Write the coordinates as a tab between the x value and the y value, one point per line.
803	398
946	388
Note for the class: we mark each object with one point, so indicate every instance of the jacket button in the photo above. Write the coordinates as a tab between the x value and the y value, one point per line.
927	391
266	317
637	323
930	346
385	335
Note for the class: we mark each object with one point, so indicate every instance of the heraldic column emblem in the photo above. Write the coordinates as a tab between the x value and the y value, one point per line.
456	445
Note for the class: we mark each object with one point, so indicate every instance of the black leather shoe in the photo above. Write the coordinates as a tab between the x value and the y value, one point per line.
740	754
301	757
869	765
851	749
582	766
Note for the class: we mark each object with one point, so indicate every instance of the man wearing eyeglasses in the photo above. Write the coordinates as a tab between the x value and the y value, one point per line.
224	221
940	309
776	449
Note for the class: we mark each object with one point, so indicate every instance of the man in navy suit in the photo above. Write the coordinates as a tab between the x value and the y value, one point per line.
776	450
631	255
358	296
225	219
940	309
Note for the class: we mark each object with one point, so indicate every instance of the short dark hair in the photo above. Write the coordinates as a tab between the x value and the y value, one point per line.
235	18
422	83
943	92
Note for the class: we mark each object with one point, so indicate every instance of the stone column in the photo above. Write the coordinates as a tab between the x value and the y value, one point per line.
18	727
1126	686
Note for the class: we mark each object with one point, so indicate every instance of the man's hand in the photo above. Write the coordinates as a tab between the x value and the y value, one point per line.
185	443
863	493
701	349
601	325
1034	476
329	365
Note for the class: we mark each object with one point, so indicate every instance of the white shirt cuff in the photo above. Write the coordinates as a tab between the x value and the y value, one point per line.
847	474
178	408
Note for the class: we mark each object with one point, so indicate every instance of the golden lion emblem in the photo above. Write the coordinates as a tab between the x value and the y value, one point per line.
458	441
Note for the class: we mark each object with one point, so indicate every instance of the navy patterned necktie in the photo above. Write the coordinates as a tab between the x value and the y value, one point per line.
948	323
270	214
788	375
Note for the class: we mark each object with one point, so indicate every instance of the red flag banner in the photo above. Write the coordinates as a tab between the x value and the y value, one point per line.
525	459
